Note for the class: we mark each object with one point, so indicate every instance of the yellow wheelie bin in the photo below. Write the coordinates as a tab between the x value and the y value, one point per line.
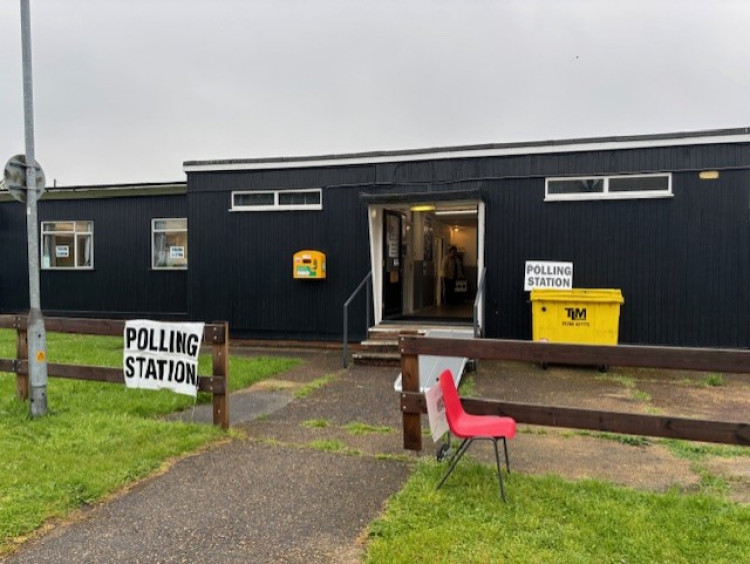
581	316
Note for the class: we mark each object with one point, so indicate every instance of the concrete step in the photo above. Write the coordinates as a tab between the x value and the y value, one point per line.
365	358
378	345
391	334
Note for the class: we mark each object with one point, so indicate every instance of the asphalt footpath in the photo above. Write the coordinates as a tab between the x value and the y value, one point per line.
257	499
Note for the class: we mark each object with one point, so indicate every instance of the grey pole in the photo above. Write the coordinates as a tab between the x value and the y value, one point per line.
37	336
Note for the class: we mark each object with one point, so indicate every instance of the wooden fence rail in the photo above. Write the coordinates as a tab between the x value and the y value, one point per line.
215	334
714	360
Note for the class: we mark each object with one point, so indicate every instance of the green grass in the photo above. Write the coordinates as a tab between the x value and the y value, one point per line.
628	440
332	445
468	385
353	428
107	351
357	428
89	445
700	451
316	423
304	391
551	520
626	381
640	395
97	437
714	380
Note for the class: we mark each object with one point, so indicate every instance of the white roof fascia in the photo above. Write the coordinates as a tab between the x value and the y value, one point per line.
458	153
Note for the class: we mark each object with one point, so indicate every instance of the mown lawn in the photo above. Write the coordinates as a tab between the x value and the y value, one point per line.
97	436
551	520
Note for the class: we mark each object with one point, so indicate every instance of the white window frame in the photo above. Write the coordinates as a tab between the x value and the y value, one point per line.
606	194
154	231
76	235
276	206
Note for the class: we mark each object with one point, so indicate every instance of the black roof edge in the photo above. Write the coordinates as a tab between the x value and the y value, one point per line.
124	186
104	191
480	147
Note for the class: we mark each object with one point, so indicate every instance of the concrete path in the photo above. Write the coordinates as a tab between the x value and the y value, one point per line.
240	503
245	501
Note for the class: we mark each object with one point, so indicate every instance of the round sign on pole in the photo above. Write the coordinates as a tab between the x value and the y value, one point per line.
15	177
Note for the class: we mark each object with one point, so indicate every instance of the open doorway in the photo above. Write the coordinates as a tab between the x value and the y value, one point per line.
409	243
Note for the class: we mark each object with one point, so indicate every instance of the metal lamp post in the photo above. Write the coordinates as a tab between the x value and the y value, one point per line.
36	332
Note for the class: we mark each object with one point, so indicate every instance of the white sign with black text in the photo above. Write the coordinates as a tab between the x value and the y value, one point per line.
161	355
547	274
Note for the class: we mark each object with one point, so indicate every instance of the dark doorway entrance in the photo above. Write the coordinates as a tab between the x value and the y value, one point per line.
392	265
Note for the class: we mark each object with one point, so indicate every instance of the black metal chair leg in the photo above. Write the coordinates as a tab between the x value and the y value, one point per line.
459	450
454	461
507	460
499	470
462	450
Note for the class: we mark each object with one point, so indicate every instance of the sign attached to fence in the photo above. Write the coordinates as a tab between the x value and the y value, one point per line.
160	355
547	274
436	412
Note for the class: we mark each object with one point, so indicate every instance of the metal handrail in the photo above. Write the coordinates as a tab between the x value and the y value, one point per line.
345	348
479	330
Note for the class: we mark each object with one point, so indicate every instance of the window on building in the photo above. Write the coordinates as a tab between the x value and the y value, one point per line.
169	243
278	200
67	245
609	187
253	200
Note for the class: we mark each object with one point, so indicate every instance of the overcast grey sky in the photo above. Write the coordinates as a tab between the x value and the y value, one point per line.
126	90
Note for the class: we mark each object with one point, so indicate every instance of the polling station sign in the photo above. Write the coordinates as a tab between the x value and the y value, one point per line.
547	274
160	355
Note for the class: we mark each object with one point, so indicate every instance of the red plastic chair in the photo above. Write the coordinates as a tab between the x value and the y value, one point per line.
473	427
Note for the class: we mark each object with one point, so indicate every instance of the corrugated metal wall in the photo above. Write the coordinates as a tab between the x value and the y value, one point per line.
245	270
681	262
14	270
121	284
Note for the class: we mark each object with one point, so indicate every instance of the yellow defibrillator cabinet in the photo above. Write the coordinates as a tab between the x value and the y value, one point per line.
310	264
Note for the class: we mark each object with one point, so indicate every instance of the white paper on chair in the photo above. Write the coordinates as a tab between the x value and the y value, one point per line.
436	412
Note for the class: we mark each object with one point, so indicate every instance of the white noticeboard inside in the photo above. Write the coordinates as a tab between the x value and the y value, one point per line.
177	252
547	274
62	251
160	355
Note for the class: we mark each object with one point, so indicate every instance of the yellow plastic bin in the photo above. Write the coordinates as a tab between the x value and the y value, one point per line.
581	316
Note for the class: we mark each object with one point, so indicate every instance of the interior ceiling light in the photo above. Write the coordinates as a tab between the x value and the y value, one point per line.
423	207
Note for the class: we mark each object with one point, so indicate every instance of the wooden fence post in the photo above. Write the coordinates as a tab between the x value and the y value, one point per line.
22	353
412	422
219	398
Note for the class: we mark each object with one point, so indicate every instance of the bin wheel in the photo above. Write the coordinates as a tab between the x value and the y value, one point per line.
603	368
543	365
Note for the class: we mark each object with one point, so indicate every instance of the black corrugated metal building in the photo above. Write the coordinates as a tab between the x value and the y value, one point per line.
114	276
664	218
